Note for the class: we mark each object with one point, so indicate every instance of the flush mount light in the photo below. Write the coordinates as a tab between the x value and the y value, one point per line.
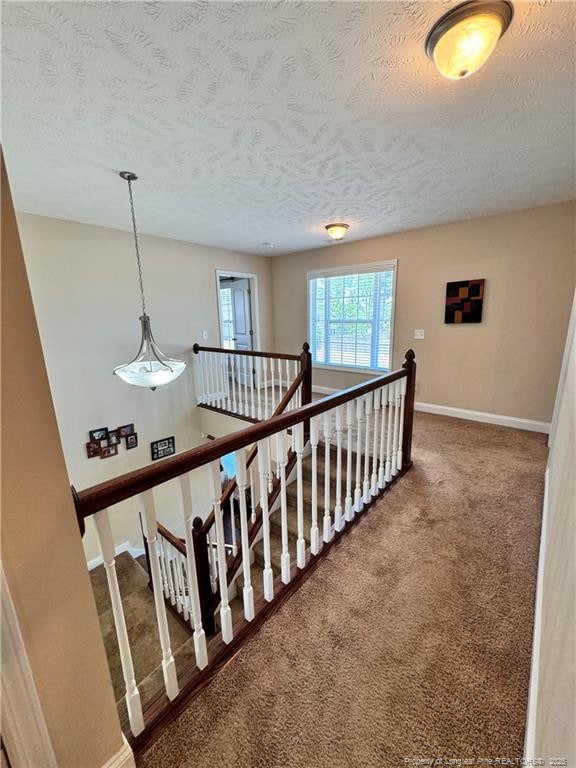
150	368
337	231
464	38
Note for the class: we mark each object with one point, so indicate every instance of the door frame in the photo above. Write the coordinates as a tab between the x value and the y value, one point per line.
254	303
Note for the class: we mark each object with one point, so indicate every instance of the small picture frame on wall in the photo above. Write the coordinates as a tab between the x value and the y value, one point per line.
131	441
162	448
93	449
96	435
108	451
113	437
127	429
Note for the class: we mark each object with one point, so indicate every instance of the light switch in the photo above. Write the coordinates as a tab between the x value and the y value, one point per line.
205	335
419	333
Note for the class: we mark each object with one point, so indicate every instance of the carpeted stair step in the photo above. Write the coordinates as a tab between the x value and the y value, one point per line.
275	549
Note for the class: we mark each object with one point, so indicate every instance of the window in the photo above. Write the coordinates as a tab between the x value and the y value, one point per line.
351	314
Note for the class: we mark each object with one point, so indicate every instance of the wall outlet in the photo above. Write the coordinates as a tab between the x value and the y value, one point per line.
204	335
419	333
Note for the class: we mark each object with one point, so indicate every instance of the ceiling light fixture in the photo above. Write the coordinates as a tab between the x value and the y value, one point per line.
337	231
150	368
464	38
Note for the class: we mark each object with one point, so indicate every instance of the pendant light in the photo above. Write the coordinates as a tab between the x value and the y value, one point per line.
465	37
150	368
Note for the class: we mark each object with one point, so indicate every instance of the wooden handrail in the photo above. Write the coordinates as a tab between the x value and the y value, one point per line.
131	484
171	539
247	352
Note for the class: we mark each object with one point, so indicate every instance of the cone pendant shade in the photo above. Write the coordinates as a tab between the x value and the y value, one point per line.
150	368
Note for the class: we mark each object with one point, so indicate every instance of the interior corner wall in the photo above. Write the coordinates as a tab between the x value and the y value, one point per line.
506	365
85	290
42	555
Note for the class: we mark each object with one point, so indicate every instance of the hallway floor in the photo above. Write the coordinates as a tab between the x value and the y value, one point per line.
411	640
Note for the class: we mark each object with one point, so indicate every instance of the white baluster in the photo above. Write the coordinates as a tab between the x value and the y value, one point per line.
401	426
298	435
266	407
200	650
202	367
183	581
280	382
247	590
382	459
164	574
366	488
233	526
259	387
338	520
327	527
165	564
314	533
225	612
396	428
150	527
178	586
348	505
252	495
288	381
226	371
281	462
388	469
252	399
273	377
263	464
220	383
106	543
375	433
209	377
213	559
358	503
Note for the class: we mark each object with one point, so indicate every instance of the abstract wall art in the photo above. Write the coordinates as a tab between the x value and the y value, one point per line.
464	301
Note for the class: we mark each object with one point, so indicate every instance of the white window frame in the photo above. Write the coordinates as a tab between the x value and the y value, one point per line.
356	269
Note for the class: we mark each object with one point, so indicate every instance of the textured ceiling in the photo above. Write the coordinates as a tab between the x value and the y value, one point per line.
254	122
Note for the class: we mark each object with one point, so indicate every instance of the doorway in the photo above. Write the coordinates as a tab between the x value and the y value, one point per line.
238	317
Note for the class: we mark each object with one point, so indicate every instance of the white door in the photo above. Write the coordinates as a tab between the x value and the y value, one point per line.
242	314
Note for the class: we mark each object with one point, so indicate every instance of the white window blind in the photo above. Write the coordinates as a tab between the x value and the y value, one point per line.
351	316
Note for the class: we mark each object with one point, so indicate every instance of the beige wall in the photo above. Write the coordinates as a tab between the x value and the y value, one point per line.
41	550
553	703
85	291
506	365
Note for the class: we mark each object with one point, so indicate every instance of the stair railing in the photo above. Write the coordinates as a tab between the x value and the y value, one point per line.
365	436
246	383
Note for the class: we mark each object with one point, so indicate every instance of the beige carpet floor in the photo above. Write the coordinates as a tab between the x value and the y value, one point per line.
412	639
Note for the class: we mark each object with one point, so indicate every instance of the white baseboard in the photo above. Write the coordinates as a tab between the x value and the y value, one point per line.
324	390
124	547
488	418
531	716
124	758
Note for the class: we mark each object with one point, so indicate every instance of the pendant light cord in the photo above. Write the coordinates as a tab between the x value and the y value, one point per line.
137	248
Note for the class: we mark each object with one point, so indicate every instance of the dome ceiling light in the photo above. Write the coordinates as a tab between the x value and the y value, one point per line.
337	230
463	39
150	368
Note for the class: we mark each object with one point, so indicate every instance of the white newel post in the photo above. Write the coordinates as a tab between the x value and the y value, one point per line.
338	520
225	612
241	480
401	430
298	435
327	526
375	433
150	526
314	533
106	543
358	503
263	462
348	505
200	650
281	460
